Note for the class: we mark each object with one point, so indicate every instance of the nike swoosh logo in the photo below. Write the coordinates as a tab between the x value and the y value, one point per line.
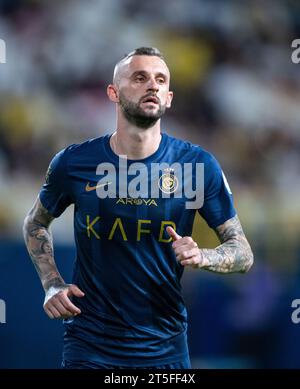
89	188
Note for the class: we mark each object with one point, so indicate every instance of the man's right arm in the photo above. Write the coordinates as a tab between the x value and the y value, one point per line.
39	243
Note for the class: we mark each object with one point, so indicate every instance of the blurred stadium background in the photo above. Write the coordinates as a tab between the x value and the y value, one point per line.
237	93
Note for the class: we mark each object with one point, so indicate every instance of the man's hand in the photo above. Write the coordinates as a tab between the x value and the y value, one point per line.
186	250
58	305
234	254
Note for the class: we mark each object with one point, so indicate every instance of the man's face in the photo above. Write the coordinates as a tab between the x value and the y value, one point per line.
143	89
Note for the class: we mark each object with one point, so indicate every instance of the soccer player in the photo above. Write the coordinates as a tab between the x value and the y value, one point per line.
125	307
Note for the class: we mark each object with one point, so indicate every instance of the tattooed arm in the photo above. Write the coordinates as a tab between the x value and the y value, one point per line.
233	255
39	244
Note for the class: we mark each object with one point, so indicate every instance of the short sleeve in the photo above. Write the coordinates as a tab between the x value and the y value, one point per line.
218	200
54	194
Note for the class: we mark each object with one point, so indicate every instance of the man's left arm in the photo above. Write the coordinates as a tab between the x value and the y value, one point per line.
233	255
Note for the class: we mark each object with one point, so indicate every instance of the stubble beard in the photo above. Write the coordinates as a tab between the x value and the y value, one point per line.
137	116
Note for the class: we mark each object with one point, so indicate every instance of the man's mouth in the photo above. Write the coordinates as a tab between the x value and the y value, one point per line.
151	99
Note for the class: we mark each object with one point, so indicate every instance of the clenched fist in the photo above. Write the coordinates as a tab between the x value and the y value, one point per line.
186	250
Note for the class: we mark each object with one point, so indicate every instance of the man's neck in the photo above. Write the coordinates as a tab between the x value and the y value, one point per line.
134	142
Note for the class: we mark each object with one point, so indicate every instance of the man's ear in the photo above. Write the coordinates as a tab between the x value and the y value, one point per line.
169	99
112	93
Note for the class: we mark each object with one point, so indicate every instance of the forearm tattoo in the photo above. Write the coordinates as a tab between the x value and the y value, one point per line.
38	239
234	254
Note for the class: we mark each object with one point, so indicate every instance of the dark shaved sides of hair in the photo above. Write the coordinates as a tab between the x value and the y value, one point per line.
151	51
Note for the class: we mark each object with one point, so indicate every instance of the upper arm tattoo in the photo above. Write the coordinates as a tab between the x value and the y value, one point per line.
40	215
234	254
39	243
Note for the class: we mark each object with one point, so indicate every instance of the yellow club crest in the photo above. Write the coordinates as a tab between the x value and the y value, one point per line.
168	182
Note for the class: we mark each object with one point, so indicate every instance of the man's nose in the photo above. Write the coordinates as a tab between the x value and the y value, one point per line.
152	84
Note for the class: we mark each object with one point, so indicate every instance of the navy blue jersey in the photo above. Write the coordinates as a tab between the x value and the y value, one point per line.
133	311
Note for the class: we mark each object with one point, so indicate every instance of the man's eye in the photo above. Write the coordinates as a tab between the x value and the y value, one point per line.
161	80
140	78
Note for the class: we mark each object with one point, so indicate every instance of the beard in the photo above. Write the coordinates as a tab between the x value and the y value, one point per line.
136	115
